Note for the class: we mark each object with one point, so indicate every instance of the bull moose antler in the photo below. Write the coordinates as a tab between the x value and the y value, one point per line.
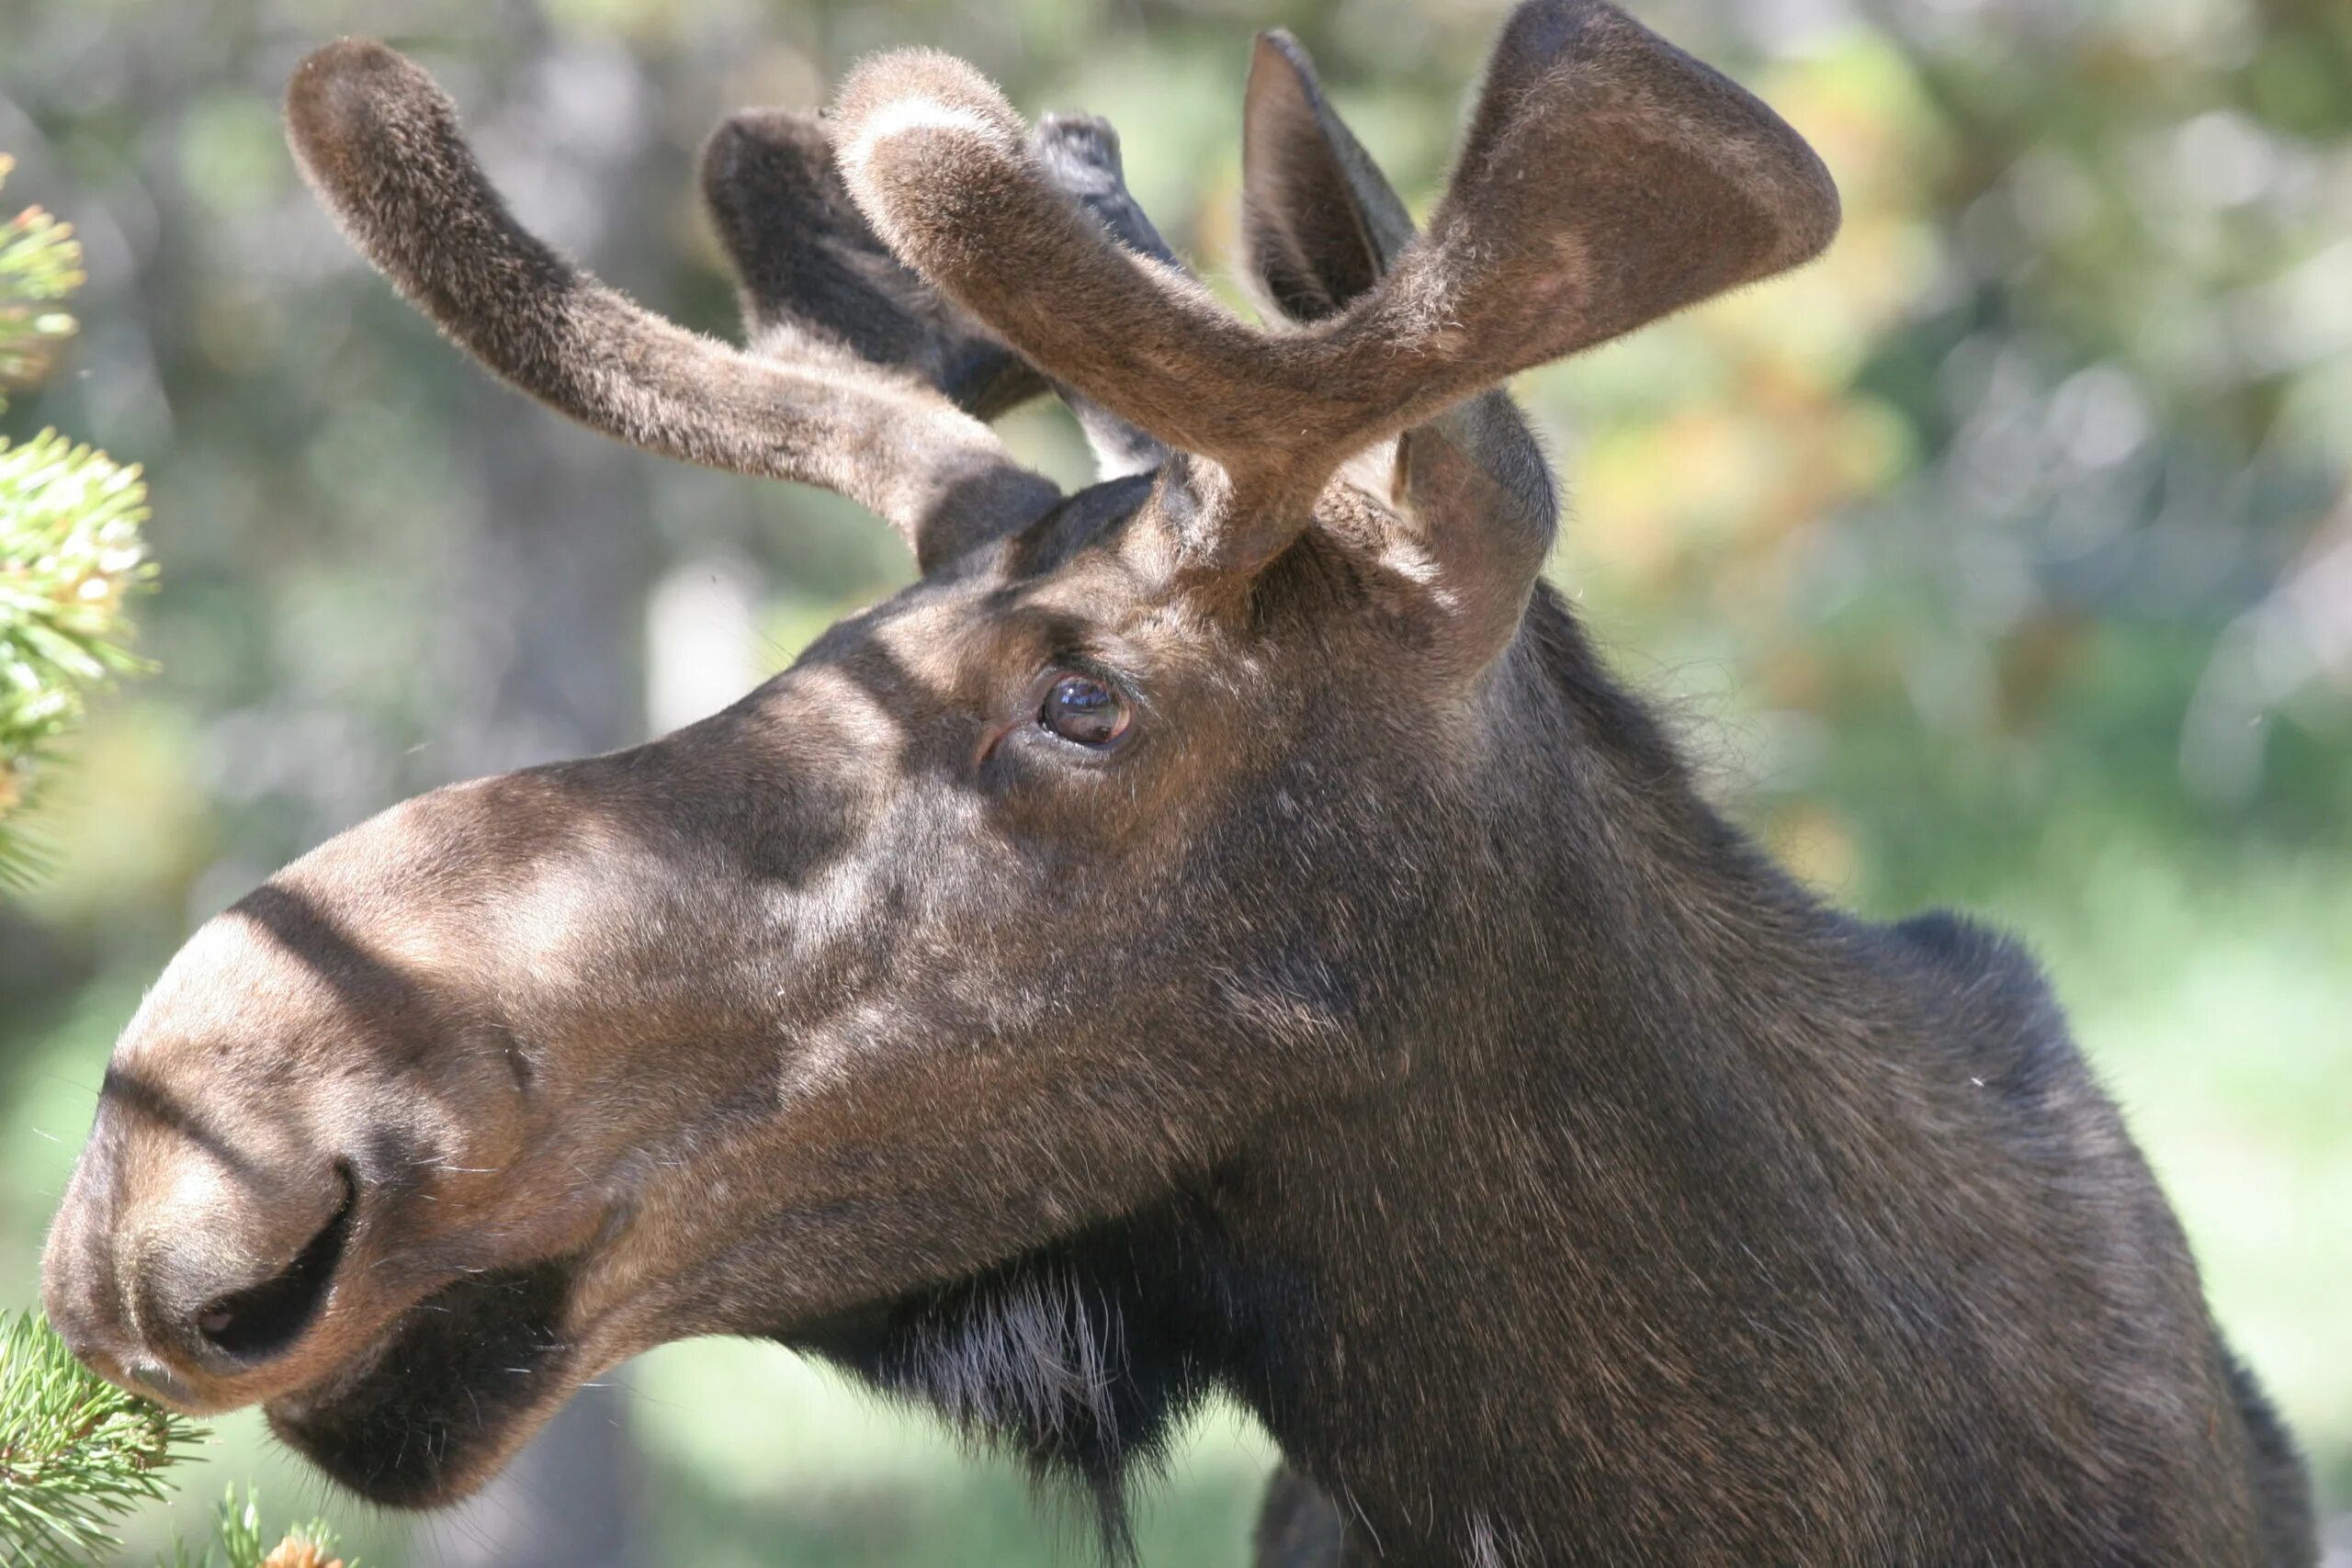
1661	183
1607	179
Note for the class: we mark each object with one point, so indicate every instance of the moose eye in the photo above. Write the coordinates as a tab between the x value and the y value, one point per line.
1085	709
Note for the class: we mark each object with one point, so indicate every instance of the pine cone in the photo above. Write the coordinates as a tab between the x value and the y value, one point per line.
296	1552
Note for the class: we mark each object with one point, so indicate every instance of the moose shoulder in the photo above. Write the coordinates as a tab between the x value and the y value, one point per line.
1222	928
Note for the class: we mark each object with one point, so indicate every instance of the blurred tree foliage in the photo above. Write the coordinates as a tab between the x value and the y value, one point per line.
2003	558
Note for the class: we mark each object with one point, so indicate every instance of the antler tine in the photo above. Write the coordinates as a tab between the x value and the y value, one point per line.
381	145
808	263
1607	179
1080	155
1611	179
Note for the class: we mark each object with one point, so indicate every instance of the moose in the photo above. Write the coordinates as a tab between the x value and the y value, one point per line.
1222	930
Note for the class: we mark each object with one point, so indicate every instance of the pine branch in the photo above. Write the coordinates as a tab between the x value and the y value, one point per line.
70	546
69	555
237	1533
76	1453
40	263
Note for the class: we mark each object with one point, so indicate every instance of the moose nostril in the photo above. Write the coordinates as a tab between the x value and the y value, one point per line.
262	1320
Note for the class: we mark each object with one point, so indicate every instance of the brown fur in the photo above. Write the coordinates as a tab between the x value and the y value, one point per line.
1384	1031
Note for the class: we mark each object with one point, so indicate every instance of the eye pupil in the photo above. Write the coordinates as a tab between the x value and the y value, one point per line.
1085	710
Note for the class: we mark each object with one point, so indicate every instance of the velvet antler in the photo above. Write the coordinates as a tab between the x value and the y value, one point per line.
1606	179
870	411
810	266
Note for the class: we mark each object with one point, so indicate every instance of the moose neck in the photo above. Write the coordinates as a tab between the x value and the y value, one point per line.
1489	1292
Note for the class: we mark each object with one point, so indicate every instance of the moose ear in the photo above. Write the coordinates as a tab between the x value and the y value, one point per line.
1471	496
1320	224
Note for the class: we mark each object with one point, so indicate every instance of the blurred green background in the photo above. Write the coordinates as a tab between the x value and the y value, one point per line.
2003	559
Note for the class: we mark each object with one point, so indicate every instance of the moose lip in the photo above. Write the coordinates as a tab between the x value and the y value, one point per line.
431	1409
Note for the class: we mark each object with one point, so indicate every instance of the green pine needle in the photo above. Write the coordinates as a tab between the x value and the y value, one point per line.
69	555
76	1453
40	263
241	1542
70	546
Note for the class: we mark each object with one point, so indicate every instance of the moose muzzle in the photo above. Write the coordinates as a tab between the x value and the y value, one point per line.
202	1250
317	1116
192	1256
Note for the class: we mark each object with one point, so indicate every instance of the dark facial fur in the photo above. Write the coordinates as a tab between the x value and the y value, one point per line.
455	1372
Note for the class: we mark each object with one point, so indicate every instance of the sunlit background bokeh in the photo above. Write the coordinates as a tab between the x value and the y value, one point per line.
2003	559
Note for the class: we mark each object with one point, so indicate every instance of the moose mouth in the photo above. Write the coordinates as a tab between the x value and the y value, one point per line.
435	1408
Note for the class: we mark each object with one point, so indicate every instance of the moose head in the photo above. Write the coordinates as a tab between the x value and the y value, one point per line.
1029	915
